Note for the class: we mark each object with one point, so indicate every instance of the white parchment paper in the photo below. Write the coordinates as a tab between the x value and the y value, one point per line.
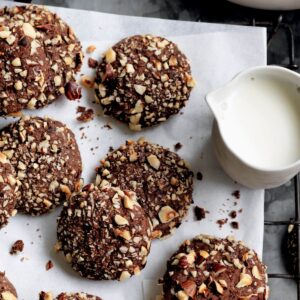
217	53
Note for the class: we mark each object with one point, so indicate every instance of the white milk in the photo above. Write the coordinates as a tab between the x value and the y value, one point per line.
261	121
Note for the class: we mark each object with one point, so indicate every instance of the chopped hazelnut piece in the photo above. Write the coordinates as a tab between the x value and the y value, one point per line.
110	55
29	30
153	161
124	275
245	280
140	89
8	296
167	214
90	48
121	220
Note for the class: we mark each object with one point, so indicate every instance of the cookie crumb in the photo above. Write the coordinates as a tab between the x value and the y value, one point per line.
199	176
233	214
107	126
49	265
236	194
222	222
86	114
235	225
73	91
199	213
177	146
90	48
17	247
92	63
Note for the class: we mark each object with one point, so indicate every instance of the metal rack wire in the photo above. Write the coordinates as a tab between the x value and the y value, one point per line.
295	222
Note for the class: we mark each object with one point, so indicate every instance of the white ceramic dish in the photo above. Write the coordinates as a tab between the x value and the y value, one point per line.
270	4
256	133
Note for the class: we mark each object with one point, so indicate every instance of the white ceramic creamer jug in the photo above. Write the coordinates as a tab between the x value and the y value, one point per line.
256	132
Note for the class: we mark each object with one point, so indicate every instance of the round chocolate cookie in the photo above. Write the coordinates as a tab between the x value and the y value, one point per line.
7	290
47	161
104	234
212	268
161	179
68	296
143	80
8	189
39	56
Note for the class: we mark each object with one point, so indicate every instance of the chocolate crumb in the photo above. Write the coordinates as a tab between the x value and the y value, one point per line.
199	213
110	149
73	91
92	63
199	176
240	211
235	225
80	109
17	247
49	265
222	222
233	214
177	146
236	194
86	114
107	126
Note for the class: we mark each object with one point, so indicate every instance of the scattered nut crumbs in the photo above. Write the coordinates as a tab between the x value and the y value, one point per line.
234	225
92	63
45	296
86	114
199	213
222	222
199	176
233	214
90	48
73	91
236	194
177	146
49	265
87	81
107	126
17	247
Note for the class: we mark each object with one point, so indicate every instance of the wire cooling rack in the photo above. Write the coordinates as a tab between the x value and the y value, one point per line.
296	223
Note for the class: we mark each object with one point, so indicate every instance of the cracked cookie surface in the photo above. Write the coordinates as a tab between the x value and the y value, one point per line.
104	233
45	155
143	80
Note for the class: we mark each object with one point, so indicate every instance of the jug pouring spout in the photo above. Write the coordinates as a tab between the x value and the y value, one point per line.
217	102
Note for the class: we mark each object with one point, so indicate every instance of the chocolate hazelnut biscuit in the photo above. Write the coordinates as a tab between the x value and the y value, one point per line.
162	180
23	63
68	296
39	56
7	290
47	161
143	80
212	268
8	189
104	233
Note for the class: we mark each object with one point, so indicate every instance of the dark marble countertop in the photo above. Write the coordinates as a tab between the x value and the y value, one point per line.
279	202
